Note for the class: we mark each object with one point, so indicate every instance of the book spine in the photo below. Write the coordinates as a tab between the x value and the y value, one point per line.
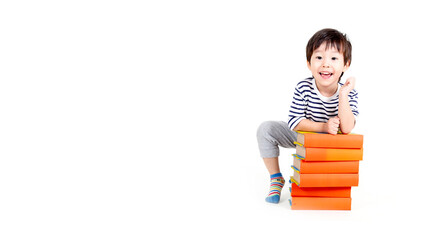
320	192
332	154
328	180
320	203
329	167
333	141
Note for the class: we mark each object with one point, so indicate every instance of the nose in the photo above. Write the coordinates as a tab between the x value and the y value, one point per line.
326	63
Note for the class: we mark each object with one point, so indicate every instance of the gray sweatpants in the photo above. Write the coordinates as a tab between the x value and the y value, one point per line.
272	134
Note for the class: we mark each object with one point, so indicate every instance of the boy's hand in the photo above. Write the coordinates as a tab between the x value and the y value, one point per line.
348	86
332	125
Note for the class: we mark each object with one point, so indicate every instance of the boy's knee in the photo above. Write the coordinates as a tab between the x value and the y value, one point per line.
266	128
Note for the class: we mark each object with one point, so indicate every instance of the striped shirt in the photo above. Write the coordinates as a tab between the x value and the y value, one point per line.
308	103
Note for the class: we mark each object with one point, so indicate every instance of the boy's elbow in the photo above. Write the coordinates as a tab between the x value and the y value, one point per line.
346	130
347	126
297	127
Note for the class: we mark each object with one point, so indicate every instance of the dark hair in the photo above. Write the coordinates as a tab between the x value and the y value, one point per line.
333	38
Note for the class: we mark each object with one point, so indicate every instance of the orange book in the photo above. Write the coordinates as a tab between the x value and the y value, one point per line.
326	180
329	154
324	140
325	167
320	203
320	191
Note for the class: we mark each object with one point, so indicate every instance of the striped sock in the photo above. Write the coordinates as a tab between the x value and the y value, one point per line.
276	185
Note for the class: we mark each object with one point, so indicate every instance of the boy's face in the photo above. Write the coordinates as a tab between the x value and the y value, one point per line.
326	65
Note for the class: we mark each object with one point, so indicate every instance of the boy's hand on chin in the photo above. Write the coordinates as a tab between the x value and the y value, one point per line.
348	86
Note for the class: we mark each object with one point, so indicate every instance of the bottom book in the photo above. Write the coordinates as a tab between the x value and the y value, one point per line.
320	203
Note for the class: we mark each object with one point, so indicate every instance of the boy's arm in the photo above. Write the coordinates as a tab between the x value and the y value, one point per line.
345	114
310	126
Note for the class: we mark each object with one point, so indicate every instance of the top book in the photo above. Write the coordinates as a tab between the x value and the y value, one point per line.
325	140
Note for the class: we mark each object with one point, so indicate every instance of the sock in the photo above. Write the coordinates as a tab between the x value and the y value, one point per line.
276	185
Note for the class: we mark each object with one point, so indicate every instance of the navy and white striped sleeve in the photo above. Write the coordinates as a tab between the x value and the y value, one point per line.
353	100
297	109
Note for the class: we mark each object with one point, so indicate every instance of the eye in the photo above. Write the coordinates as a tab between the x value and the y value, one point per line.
318	57
334	58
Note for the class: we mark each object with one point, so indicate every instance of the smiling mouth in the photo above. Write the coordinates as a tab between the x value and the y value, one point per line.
325	75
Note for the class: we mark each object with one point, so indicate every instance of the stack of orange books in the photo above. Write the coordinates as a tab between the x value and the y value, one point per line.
325	168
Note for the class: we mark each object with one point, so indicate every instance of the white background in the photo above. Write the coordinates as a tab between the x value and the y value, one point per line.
131	120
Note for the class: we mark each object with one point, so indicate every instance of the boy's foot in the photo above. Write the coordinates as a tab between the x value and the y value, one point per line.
276	185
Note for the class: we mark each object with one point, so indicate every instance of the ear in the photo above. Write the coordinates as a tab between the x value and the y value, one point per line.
309	65
346	66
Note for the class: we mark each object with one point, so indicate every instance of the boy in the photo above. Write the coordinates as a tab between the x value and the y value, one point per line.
320	103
